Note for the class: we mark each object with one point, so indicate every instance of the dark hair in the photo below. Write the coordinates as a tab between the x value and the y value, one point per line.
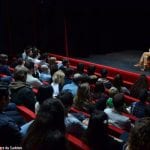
118	101
4	89
91	70
44	92
103	73
141	82
118	82
139	137
65	62
80	68
20	75
66	98
50	117
143	95
97	130
68	72
99	87
29	65
3	59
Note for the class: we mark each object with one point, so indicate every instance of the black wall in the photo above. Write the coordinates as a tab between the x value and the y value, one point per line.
92	26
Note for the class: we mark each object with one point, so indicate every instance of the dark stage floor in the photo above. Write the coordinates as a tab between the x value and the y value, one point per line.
123	60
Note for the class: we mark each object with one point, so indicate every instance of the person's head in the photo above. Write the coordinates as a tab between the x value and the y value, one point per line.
143	95
52	60
99	87
68	72
118	101
113	91
140	83
83	91
80	68
20	75
104	73
91	70
29	65
49	118
44	68
65	63
20	61
77	77
67	99
58	77
4	95
28	51
44	92
97	130
118	81
139	136
3	59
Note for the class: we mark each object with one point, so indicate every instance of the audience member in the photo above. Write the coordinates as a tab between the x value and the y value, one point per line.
103	78
73	86
118	83
82	99
140	83
138	108
9	131
48	128
114	114
97	133
44	92
57	82
34	82
20	92
73	125
139	136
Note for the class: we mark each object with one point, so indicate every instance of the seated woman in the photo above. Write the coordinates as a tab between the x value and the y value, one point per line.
97	134
82	99
48	124
144	60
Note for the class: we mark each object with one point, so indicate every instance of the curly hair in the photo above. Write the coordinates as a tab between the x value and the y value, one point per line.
139	137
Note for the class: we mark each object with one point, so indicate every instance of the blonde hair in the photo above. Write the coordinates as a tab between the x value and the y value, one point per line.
58	77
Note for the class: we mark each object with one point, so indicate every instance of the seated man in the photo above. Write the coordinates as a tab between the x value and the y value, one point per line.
144	60
9	131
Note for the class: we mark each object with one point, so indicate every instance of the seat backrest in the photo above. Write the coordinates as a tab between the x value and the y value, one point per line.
76	144
26	113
